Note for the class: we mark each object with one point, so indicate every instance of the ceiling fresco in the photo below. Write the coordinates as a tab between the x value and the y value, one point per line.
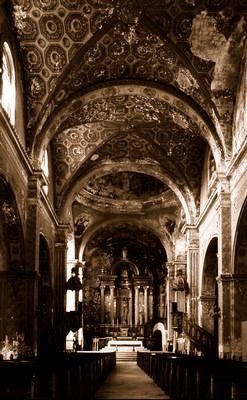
128	95
125	185
109	39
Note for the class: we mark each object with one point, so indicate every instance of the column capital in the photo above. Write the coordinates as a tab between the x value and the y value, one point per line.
192	235
223	183
62	231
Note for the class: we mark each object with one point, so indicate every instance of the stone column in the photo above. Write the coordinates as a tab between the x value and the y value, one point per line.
150	304
112	304
169	297
161	302
32	238
192	270
60	279
32	253
102	304
130	308
136	304
225	295
145	304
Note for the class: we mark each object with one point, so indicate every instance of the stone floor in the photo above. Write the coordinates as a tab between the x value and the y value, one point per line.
128	381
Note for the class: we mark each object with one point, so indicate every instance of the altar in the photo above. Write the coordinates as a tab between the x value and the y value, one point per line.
126	344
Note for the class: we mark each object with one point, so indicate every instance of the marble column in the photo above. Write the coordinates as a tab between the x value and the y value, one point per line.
145	304
102	304
112	304
136	304
130	308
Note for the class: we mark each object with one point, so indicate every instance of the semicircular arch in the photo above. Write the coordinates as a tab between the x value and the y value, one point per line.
161	95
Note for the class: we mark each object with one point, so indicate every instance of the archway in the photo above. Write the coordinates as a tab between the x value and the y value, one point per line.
160	336
13	283
122	281
45	300
239	349
209	295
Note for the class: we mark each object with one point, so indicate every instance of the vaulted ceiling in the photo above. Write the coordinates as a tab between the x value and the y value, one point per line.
127	94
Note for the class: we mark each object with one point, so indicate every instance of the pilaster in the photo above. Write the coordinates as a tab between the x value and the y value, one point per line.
59	287
32	222
224	223
32	249
192	237
225	298
170	297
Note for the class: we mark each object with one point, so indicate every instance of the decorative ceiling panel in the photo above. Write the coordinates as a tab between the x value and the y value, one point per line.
143	55
127	39
73	48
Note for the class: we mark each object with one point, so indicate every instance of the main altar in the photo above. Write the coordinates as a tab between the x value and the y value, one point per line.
121	301
126	300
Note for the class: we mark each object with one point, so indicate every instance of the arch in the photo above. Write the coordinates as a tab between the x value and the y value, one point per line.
240	285
88	235
125	263
13	280
175	99
185	198
209	291
159	326
8	95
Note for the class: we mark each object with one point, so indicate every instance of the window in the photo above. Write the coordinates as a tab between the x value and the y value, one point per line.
45	168
8	98
211	171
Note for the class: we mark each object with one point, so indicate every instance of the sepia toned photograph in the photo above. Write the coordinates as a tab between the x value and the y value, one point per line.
123	199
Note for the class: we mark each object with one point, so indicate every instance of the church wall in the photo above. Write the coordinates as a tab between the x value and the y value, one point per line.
240	117
7	35
47	227
204	183
13	167
238	193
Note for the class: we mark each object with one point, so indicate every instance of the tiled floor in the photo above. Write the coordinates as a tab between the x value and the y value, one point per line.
128	381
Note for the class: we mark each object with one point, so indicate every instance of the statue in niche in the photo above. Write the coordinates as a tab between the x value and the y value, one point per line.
124	253
107	309
125	311
141	316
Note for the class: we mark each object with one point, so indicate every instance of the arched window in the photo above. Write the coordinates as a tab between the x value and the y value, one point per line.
45	168
8	98
211	171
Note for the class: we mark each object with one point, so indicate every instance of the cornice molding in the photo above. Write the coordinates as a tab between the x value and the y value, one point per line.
12	138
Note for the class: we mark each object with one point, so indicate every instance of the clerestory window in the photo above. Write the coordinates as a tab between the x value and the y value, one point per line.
8	96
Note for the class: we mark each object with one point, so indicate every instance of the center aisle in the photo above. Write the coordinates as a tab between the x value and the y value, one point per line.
128	381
